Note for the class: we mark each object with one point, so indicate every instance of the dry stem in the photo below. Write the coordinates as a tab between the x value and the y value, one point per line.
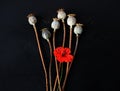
50	65
76	46
57	71
67	67
63	44
41	56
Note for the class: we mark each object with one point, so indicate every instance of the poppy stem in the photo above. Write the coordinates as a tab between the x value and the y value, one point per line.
54	39
70	38
76	46
56	78
63	44
41	56
67	66
57	71
50	64
64	33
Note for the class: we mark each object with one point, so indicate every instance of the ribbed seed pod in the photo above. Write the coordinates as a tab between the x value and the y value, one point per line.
32	19
61	14
78	28
45	33
55	24
71	20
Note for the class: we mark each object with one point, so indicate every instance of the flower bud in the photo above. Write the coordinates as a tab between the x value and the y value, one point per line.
71	20
78	29
32	19
61	14
55	24
45	33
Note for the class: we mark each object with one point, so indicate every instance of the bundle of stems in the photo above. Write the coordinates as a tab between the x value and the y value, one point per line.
57	85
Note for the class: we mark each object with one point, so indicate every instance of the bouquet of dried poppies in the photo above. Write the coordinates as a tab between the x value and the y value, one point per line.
62	54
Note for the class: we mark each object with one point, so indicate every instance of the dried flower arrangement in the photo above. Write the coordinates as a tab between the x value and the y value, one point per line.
61	54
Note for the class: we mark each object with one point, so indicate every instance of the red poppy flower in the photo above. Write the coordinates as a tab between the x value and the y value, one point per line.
63	54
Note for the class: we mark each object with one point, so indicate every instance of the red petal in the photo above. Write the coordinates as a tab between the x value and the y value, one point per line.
60	59
63	54
67	50
69	58
58	51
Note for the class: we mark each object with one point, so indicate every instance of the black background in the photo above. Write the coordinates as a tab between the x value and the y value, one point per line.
96	66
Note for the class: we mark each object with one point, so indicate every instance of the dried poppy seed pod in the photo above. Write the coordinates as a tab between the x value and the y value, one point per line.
32	19
78	28
61	14
55	24
45	33
71	20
